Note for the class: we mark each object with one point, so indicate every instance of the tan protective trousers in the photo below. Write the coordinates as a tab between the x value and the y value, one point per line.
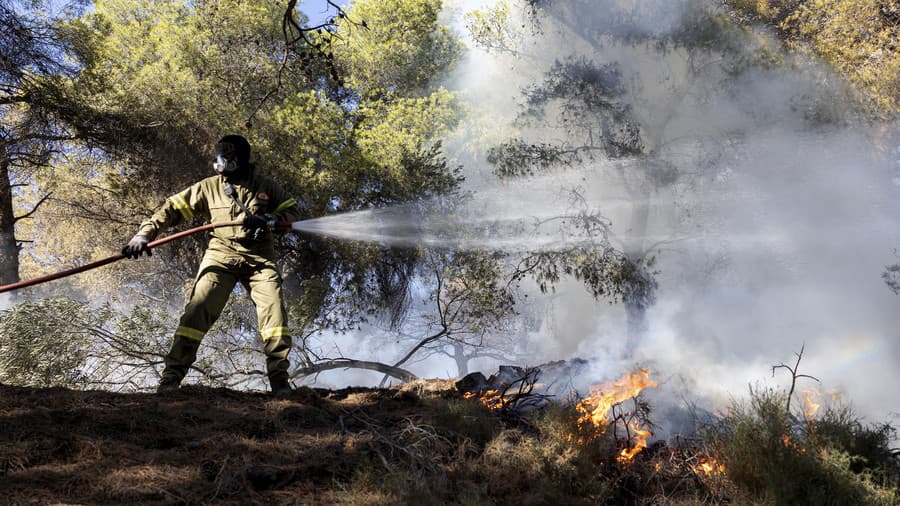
219	271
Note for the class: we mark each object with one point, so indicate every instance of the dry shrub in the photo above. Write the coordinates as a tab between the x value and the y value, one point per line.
553	465
463	420
373	484
429	387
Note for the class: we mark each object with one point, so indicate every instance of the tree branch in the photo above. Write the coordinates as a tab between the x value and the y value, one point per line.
419	346
794	375
347	363
33	209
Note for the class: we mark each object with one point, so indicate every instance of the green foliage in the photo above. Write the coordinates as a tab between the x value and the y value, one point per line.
869	444
391	131
65	342
470	293
402	50
765	453
45	343
858	37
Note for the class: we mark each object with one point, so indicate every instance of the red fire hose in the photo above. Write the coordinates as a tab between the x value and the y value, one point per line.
114	258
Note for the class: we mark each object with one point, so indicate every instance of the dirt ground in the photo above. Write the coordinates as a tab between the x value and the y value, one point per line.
194	446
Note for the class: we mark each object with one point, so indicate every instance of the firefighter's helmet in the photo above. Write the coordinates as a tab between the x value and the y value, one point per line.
232	154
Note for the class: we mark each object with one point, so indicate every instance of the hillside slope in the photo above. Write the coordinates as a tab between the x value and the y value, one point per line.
423	443
193	446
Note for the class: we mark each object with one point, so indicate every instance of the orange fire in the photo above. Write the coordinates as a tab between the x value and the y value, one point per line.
708	466
595	408
640	442
810	406
789	443
492	399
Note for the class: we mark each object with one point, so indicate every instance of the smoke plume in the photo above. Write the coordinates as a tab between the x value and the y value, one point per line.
774	233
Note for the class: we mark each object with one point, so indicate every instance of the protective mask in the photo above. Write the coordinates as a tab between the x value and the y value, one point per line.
225	166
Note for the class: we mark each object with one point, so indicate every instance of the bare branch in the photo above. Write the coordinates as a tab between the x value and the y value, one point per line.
794	375
33	209
419	346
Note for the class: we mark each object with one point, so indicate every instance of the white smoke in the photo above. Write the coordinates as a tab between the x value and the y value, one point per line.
780	243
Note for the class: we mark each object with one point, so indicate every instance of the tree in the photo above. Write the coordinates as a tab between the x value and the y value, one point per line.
29	136
177	76
633	124
858	37
471	306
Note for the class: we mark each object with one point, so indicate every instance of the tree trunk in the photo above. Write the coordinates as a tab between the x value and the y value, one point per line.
638	296
637	299
462	361
9	250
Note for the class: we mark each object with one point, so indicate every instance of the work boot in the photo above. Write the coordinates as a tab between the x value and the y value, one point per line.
167	385
281	387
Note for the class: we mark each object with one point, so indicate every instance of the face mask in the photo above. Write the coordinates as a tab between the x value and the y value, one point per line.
224	165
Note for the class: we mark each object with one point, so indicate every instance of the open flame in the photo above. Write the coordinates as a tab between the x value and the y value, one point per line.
595	408
640	442
810	406
709	466
789	443
492	399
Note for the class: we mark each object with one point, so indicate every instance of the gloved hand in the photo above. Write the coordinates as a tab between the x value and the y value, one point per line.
280	227
256	225
136	247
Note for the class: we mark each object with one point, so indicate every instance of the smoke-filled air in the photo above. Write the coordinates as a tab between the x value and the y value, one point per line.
755	194
450	252
769	204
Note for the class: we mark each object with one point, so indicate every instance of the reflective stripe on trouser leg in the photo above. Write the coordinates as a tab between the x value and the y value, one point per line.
265	291
211	290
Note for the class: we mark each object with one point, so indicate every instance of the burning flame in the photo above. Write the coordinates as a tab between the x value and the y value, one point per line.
595	408
810	406
789	443
492	399
709	466
640	442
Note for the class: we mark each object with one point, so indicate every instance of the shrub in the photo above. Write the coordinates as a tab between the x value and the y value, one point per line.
774	459
42	344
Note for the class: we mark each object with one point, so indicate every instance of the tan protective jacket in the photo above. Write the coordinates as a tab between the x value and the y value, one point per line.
207	198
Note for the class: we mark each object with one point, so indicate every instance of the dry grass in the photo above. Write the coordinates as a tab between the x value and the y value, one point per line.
421	444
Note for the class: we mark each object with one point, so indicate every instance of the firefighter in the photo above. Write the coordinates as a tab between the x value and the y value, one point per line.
236	253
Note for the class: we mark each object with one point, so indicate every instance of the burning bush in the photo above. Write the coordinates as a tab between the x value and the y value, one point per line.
597	447
773	456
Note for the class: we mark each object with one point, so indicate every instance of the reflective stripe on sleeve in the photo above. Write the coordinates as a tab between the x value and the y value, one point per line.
182	207
286	204
271	332
196	335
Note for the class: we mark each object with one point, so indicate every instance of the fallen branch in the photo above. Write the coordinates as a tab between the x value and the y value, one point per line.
347	363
